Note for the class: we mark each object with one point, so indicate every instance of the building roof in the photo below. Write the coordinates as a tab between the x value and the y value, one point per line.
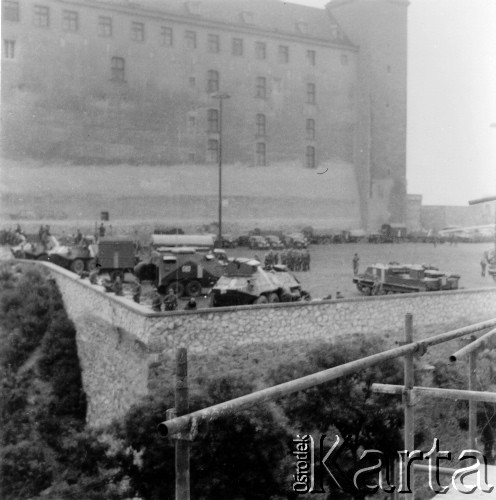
274	16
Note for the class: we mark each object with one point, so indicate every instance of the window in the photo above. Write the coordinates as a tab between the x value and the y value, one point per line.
237	47
302	27
344	60
212	81
260	125
310	93
9	49
260	50
191	158
310	128
104	26
70	20
261	87
247	17
192	81
310	157
261	154
283	54
167	36
41	16
213	43
10	10
213	120
137	31
190	37
191	122
311	57
118	69
213	150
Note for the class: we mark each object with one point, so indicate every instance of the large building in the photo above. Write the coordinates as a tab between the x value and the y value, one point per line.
145	82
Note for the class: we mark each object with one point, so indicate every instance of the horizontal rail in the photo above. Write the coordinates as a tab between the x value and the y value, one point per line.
487	397
473	346
183	423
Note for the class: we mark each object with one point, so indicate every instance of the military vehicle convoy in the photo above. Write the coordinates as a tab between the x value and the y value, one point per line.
246	282
112	254
403	278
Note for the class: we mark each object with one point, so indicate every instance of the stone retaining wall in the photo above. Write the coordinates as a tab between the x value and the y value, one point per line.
122	344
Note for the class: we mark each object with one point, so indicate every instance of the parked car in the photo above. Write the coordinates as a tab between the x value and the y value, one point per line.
258	243
274	241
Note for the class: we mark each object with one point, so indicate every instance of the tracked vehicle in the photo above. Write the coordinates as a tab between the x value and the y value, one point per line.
246	282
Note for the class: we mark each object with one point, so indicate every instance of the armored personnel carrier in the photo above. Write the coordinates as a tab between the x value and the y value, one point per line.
403	278
246	282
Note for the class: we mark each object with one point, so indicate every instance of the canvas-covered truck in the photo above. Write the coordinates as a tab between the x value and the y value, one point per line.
184	269
403	278
166	242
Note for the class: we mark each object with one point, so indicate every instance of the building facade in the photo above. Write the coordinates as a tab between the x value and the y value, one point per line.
146	81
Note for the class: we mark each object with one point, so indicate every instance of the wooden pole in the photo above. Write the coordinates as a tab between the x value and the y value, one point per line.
472	405
407	400
182	408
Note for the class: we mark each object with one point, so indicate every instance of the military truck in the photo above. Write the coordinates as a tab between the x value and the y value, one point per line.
403	278
246	282
184	269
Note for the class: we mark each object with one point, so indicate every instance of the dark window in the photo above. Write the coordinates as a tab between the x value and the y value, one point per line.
311	93
70	20
261	154
137	31
41	16
104	26
310	129
311	57
213	120
260	50
212	81
167	36
118	69
261	87
192	81
9	49
213	150
344	60
261	125
191	121
191	158
283	54
10	10
237	47
190	37
213	43
310	157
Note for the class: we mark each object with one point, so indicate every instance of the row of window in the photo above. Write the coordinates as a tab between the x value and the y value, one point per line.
213	81
260	155
260	124
70	23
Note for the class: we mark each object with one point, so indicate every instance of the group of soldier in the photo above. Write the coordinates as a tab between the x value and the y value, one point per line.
295	260
169	302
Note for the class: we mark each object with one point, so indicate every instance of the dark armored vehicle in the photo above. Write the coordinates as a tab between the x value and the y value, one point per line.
246	282
403	278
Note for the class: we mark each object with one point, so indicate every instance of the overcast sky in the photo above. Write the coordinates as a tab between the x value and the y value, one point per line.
451	99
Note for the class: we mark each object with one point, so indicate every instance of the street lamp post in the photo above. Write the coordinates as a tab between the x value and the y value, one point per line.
220	96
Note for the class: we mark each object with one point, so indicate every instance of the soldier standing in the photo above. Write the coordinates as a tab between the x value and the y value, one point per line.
157	302
483	264
117	286
170	301
356	261
94	275
137	291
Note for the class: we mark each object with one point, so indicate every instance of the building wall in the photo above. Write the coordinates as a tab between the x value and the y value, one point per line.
413	214
61	100
379	28
125	349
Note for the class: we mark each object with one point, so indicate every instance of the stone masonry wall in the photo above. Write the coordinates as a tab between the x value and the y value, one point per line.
123	346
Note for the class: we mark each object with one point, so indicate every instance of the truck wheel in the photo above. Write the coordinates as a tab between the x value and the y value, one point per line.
273	297
77	266
177	287
193	288
261	300
90	265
